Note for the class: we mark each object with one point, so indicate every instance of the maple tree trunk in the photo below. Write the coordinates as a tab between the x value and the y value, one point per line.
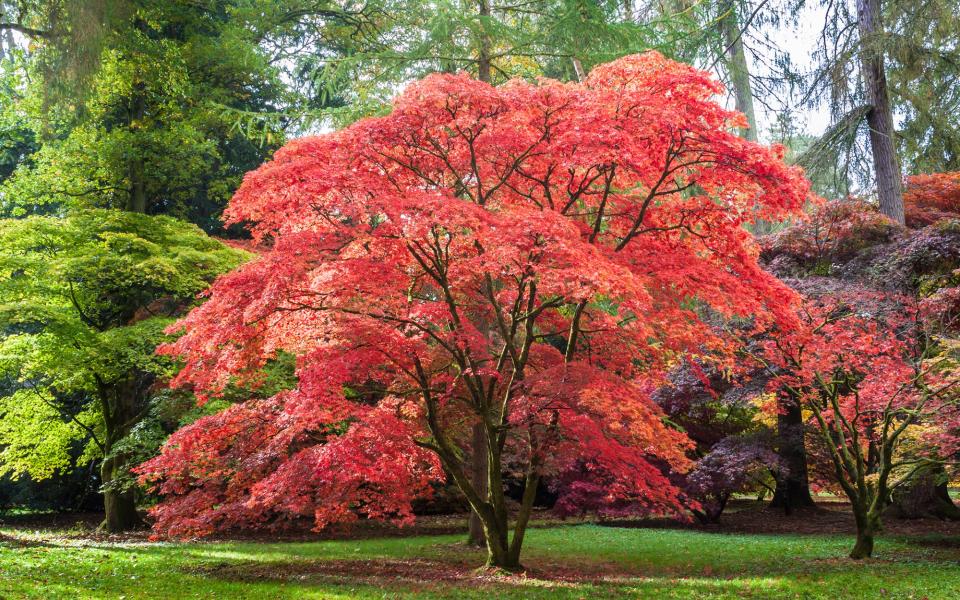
503	552
867	526
523	517
477	536
496	535
880	117
498	553
712	514
793	487
498	549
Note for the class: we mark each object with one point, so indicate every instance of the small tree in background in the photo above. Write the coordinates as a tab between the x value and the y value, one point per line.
868	381
722	414
531	258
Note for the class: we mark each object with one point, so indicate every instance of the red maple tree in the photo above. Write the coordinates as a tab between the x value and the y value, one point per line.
532	258
861	367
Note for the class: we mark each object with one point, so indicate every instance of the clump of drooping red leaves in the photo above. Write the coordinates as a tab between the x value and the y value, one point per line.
931	198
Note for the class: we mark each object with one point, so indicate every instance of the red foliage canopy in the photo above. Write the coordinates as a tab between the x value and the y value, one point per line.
858	332
531	257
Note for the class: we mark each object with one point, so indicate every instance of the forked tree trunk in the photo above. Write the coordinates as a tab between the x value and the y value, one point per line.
498	548
793	487
880	117
502	551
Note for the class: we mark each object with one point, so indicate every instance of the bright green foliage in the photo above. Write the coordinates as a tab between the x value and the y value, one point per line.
924	53
366	51
84	301
37	442
17	140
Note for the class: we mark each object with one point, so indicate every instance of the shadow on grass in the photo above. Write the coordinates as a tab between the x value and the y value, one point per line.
455	563
457	578
570	561
945	542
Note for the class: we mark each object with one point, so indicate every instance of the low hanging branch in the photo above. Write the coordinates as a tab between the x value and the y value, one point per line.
27	31
838	137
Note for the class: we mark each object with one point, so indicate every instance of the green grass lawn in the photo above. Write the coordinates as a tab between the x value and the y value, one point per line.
577	561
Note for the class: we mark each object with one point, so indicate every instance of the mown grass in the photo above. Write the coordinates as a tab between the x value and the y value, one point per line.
578	561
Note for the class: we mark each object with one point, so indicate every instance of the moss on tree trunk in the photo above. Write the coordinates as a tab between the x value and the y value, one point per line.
119	505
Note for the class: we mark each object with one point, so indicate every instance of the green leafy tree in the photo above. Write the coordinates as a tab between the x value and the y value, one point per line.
17	139
143	129
348	60
923	56
84	301
126	105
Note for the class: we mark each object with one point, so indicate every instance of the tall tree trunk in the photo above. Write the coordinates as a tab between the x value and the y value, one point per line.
479	466
479	479
119	401
739	71
484	44
137	199
880	117
118	404
793	487
119	506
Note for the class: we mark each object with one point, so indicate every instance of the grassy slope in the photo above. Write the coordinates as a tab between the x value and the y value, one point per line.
572	561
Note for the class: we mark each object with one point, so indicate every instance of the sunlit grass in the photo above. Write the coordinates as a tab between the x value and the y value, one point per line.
564	562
